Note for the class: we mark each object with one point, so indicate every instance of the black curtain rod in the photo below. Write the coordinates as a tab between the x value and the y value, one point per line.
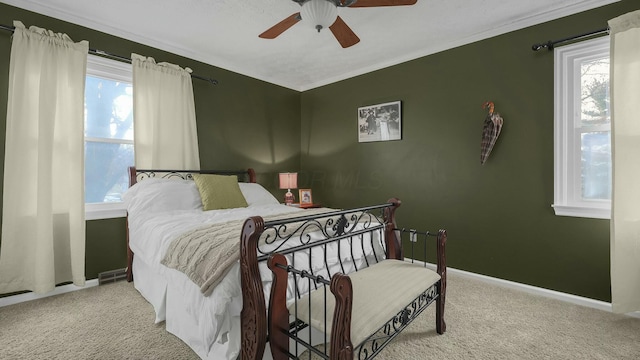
117	57
550	44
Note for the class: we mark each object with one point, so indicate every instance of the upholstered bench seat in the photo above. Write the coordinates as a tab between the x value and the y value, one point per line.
380	292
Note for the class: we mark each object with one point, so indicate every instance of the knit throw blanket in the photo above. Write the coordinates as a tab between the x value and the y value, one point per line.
207	253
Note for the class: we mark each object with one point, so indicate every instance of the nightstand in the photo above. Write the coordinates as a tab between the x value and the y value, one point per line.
309	206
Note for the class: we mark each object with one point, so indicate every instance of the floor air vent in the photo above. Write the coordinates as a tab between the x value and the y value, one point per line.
112	276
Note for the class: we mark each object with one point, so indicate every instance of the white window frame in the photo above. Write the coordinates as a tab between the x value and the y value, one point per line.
568	199
113	70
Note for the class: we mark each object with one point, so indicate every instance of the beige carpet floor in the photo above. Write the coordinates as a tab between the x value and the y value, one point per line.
483	322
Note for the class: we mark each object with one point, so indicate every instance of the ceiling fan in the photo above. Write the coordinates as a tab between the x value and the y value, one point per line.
324	13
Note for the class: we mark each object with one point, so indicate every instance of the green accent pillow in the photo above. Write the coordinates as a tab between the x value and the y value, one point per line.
219	191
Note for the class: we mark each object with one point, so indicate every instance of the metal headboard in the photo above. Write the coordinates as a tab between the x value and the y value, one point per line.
136	175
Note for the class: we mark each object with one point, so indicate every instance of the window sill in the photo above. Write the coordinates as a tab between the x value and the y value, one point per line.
585	212
105	211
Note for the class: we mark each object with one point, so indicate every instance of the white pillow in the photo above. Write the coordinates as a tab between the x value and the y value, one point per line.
255	194
161	195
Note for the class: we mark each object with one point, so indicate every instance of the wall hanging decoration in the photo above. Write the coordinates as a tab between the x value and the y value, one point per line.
382	122
490	131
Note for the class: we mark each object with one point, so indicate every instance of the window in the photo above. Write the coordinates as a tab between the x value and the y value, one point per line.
582	130
108	136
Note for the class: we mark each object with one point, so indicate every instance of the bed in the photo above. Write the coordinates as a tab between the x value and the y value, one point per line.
162	204
166	213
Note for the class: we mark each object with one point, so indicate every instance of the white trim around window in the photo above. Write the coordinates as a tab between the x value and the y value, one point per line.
105	210
568	200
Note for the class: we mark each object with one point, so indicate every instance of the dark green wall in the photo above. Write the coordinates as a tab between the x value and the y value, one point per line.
498	215
242	122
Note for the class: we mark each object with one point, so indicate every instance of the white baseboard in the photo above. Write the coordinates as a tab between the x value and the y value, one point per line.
573	299
15	299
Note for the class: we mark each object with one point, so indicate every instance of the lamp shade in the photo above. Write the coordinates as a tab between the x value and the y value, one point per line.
319	14
288	180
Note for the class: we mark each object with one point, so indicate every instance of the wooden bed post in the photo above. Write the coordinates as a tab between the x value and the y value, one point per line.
278	320
132	176
252	175
441	326
129	254
392	239
132	180
253	332
341	346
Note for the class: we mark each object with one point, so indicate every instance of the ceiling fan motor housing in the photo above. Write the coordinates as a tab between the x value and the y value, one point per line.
319	14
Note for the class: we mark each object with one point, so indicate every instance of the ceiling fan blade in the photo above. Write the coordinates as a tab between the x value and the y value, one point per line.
343	33
374	3
281	27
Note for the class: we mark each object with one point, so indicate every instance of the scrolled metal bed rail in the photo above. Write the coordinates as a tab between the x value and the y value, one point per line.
337	225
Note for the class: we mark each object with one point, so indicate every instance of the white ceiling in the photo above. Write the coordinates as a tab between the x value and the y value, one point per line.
224	33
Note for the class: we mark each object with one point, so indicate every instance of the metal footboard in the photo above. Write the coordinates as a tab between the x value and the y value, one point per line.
317	244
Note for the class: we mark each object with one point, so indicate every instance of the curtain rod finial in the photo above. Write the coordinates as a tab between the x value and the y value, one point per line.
548	45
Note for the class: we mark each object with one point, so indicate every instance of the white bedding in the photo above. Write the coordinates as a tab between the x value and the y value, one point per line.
160	210
149	238
151	234
210	325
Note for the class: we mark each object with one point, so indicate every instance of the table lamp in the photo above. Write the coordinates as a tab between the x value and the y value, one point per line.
288	181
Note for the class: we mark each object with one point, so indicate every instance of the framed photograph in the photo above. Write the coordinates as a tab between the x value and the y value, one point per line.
382	122
305	196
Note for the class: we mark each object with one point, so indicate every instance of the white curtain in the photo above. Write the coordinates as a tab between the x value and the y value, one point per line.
43	225
164	116
625	129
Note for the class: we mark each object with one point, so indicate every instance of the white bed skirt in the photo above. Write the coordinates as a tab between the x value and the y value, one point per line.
178	301
189	315
152	286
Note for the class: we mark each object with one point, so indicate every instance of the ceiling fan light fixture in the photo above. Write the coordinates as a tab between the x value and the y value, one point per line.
319	14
